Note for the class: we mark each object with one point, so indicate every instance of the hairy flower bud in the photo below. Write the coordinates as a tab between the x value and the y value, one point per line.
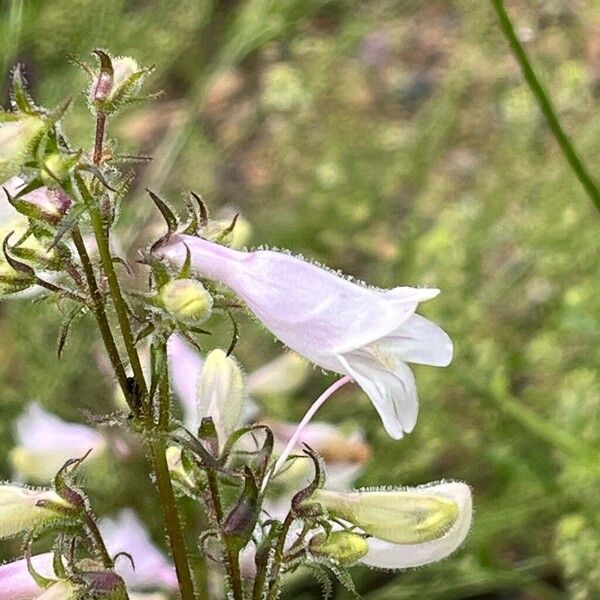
22	508
345	547
18	133
56	168
221	392
118	82
401	517
186	299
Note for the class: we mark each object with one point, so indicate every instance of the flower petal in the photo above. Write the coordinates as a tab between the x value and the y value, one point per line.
387	555
152	569
420	341
185	366
393	392
314	311
15	581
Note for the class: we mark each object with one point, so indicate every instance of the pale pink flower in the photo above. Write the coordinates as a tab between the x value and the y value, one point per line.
125	533
17	584
45	442
365	333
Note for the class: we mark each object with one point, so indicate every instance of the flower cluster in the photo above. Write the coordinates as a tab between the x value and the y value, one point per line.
277	495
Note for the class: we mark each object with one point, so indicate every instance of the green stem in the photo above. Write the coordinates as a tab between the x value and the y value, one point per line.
107	261
233	569
101	318
230	555
545	105
173	523
278	556
90	523
119	304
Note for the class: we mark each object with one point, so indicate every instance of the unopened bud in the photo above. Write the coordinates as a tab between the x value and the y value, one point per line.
221	230
187	299
22	508
119	81
221	392
345	547
17	136
56	168
401	517
177	469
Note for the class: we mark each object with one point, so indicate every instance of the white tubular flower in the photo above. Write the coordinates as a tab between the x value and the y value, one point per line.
367	334
45	443
407	528
19	508
126	533
221	392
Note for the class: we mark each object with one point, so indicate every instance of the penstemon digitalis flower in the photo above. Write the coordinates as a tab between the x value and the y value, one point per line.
273	493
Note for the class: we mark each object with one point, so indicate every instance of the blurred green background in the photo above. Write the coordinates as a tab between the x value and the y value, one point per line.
394	140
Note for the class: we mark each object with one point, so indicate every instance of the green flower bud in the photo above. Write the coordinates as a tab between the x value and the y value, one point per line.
57	168
176	468
344	546
221	392
187	300
18	133
220	230
400	517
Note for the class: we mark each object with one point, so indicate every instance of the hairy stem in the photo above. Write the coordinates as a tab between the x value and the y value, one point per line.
230	555
545	105
278	556
101	318
172	520
90	523
108	264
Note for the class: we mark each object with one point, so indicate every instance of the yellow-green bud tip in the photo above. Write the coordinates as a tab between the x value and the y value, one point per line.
186	299
344	546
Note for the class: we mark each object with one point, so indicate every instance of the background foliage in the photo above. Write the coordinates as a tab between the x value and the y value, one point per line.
394	140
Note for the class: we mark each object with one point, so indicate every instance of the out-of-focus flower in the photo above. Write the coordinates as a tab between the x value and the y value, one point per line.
279	376
17	135
19	508
375	49
187	300
365	333
13	221
16	583
45	443
126	533
407	528
345	455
